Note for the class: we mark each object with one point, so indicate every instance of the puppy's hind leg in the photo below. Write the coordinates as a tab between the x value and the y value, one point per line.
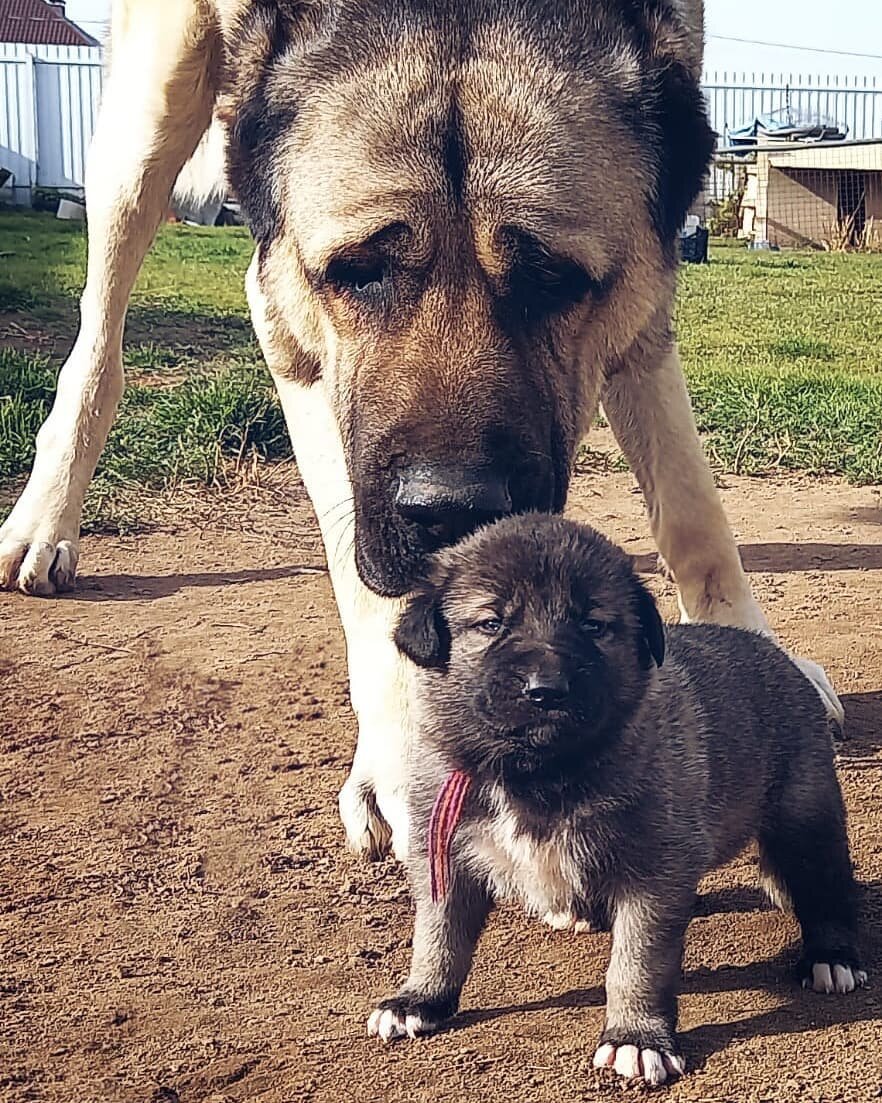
156	104
805	853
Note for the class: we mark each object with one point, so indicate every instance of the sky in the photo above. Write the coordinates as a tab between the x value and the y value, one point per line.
853	26
850	26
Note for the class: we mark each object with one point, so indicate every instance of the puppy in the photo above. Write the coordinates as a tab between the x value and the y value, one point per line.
576	754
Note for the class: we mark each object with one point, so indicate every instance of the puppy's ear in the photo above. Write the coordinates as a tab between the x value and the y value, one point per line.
652	637
422	633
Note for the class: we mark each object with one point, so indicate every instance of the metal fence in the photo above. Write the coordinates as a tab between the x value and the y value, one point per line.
49	98
48	104
736	99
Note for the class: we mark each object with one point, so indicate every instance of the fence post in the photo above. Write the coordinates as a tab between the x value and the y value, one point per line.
32	120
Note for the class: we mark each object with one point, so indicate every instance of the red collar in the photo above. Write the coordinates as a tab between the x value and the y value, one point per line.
445	817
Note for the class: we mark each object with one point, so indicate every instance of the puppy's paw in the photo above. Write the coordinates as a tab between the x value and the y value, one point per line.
653	1066
408	1016
592	916
567	921
832	976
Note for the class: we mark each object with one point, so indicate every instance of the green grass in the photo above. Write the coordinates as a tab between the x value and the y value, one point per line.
782	352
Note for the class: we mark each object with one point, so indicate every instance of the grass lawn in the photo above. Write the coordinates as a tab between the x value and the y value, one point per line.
782	351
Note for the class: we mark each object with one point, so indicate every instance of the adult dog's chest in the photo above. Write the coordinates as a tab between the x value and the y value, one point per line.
546	873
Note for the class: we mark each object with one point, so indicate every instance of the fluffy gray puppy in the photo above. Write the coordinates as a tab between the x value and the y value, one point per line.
580	756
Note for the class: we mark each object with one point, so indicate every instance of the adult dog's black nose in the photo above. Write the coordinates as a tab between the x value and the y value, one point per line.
547	688
449	502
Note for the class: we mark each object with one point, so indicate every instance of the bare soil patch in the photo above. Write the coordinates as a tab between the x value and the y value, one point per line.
179	920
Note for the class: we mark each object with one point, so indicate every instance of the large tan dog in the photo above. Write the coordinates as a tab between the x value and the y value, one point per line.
466	213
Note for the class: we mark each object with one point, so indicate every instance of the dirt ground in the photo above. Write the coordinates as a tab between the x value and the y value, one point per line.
179	920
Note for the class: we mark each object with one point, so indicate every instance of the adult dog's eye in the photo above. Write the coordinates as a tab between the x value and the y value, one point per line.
542	283
490	627
357	277
595	628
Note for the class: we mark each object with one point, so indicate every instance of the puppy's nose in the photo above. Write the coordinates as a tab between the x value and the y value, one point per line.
547	688
450	502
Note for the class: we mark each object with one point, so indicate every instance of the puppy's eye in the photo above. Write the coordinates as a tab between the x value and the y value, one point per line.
490	627
594	628
363	278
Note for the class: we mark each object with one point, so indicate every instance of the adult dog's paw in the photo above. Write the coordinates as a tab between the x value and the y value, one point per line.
367	833
567	921
653	1066
37	567
408	1016
818	677
831	976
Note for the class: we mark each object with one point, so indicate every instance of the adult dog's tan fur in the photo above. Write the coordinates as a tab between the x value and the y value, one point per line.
439	366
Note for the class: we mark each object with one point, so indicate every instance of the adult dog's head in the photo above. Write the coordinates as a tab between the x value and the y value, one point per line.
466	213
544	640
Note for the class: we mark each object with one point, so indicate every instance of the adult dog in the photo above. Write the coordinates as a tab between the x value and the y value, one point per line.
466	215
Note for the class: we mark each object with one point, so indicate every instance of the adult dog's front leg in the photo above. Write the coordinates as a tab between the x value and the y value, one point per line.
649	411
156	104
373	801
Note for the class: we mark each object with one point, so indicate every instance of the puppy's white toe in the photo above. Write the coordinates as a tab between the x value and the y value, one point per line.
604	1056
416	1025
654	1071
387	1025
627	1062
822	978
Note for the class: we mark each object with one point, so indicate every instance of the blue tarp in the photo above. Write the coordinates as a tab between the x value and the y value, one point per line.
782	124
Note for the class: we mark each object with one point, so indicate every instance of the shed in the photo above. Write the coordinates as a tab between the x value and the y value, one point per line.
823	195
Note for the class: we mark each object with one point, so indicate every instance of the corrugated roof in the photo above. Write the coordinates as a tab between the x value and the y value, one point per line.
40	23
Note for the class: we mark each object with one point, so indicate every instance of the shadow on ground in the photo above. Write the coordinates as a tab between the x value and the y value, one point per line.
788	558
802	1011
133	587
863	725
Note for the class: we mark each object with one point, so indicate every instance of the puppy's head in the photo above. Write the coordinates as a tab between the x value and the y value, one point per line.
543	641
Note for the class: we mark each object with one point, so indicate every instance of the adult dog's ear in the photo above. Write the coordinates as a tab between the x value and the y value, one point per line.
422	633
674	123
258	105
652	628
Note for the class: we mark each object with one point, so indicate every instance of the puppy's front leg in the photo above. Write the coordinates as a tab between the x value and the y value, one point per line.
445	935
639	1039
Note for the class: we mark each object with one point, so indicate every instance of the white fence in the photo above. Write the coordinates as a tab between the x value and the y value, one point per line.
48	104
49	99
